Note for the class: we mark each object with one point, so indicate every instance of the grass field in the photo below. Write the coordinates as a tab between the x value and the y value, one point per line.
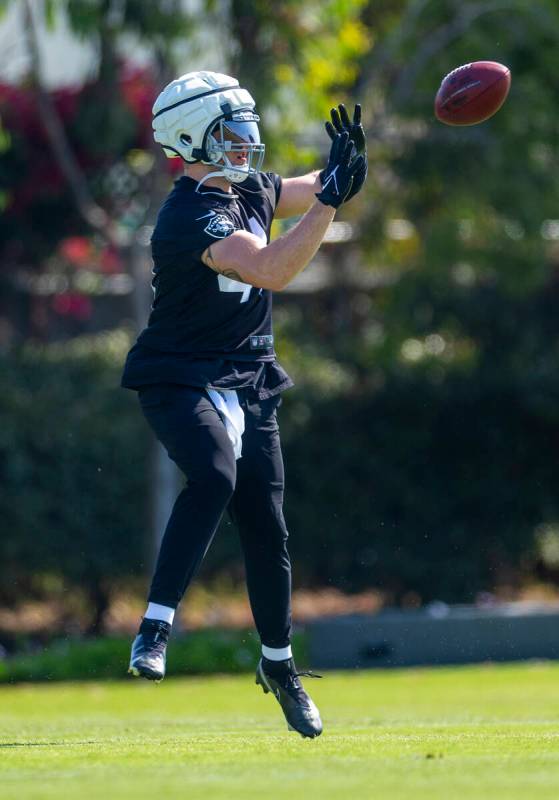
470	732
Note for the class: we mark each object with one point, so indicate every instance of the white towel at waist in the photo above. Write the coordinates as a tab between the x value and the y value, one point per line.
227	406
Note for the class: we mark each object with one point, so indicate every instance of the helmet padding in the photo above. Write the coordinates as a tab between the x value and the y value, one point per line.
187	111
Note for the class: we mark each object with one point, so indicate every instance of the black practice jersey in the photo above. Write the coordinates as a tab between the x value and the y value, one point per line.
205	329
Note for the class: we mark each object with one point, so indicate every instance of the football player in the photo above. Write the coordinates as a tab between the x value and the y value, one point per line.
205	367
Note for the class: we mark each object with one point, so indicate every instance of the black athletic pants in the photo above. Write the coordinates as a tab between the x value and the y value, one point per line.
188	425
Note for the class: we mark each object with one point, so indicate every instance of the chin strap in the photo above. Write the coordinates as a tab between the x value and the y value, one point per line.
218	174
224	171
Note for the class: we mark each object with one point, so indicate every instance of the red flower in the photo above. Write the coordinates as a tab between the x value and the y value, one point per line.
73	304
77	250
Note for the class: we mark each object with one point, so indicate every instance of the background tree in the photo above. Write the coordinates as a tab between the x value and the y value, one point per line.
448	360
420	440
105	182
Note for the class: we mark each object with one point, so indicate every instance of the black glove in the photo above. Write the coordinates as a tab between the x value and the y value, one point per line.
341	123
337	178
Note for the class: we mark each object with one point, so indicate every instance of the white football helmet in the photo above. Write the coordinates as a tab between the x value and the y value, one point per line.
207	117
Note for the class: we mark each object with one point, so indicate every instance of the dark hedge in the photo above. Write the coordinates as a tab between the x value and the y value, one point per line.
432	482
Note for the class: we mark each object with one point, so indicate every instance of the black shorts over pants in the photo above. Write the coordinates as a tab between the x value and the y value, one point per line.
186	422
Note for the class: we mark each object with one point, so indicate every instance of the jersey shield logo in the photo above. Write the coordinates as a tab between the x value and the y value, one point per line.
219	226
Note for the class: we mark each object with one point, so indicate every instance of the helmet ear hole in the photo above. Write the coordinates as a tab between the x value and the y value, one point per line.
185	138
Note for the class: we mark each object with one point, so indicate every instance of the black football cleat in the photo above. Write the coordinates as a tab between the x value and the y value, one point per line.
147	659
282	680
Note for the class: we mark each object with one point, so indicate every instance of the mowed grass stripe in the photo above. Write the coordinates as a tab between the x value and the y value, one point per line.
468	732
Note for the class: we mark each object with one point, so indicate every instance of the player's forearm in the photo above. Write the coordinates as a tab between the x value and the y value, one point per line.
280	261
298	195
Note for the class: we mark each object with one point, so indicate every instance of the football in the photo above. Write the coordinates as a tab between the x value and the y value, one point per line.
472	93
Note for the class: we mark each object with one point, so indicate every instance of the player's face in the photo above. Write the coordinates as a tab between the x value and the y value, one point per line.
238	153
235	136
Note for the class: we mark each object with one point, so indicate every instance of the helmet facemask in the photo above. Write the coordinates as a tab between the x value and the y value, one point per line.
233	144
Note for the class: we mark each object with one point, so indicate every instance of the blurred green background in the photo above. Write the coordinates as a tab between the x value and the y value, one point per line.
422	438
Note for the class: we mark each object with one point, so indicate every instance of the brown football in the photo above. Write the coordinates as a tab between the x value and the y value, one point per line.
472	93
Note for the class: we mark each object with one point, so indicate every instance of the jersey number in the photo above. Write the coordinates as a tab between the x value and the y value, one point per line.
228	284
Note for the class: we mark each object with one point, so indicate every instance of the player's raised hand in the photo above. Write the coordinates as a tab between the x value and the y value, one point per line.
337	179
341	122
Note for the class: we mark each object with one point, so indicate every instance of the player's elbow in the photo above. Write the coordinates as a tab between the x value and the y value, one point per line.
270	282
279	285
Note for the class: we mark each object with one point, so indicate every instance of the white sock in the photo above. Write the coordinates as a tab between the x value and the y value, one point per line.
277	653
161	613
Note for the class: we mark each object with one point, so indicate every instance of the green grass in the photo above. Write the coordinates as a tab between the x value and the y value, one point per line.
471	732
